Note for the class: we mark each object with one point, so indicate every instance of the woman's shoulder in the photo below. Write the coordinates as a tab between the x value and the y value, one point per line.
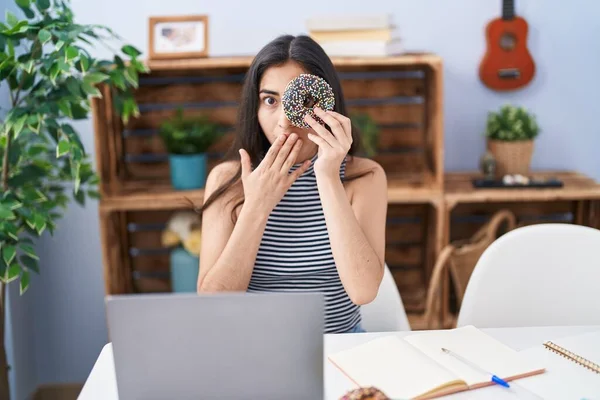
367	167
221	174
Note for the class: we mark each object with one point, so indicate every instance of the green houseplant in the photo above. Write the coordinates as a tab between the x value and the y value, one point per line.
369	132
51	76
187	138
510	133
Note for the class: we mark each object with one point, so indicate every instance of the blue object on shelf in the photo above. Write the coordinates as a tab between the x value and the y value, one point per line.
188	171
184	270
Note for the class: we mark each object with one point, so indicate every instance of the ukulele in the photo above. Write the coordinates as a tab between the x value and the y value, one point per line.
507	63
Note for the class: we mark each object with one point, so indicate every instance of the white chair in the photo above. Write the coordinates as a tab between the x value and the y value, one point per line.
386	312
538	275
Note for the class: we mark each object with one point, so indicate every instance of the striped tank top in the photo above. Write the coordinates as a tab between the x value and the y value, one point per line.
295	253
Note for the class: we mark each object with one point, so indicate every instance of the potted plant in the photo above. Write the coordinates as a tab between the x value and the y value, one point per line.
51	78
187	139
368	131
510	136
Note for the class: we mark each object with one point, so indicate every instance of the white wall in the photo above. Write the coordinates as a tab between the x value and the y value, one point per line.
68	306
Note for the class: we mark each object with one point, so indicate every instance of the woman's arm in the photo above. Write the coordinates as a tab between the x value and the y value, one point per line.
357	231
228	251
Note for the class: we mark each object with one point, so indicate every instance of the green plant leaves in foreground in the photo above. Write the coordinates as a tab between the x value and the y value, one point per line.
52	79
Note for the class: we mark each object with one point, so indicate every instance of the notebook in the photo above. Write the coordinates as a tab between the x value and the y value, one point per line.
573	367
415	367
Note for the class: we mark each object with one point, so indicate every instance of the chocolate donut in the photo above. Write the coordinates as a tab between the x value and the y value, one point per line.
365	393
302	94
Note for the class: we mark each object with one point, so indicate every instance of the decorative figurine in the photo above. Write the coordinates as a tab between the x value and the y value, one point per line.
487	164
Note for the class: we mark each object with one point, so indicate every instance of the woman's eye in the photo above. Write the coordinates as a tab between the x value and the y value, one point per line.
270	101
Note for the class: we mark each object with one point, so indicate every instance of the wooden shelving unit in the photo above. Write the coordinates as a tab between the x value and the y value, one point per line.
404	94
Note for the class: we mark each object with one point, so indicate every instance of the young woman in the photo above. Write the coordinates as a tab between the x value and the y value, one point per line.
293	209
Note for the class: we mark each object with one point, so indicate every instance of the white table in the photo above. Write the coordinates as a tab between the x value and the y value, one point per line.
101	383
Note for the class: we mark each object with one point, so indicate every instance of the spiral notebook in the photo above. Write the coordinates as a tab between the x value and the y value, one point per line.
415	367
573	367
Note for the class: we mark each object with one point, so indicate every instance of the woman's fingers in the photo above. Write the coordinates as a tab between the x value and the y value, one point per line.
321	131
273	151
345	121
336	126
284	152
318	140
245	162
291	159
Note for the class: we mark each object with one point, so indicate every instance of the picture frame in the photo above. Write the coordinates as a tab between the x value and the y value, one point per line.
178	37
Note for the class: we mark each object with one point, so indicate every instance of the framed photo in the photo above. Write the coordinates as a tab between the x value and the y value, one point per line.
178	37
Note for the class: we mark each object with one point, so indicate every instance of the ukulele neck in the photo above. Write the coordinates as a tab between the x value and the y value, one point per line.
508	9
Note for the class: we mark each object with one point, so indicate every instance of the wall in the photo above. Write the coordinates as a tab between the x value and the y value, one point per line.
68	298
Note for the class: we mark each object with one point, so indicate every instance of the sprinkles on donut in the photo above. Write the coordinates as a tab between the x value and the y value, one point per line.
302	94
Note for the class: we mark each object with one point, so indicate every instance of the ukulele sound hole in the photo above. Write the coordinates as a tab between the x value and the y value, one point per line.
508	41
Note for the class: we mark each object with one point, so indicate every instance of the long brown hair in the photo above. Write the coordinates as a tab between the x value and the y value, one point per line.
249	135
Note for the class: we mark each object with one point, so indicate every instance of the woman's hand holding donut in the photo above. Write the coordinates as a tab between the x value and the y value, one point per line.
334	145
265	186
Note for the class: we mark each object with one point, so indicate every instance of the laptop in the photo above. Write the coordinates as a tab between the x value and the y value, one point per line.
217	346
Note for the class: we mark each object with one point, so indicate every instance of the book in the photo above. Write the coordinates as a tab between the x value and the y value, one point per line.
415	367
363	48
349	35
348	22
573	367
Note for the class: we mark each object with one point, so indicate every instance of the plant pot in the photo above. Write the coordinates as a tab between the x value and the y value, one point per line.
512	157
188	171
184	268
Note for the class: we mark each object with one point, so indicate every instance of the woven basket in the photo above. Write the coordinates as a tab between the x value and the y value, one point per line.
511	157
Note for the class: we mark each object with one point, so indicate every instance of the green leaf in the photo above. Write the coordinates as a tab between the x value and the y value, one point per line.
24	282
6	213
11	19
64	65
44	35
18	126
95	77
63	148
10	229
36	50
93	194
23	3
84	63
59	45
91	90
132	76
40	224
29	251
80	197
13	272
8	253
12	204
43	4
73	86
71	53
30	263
65	107
131	51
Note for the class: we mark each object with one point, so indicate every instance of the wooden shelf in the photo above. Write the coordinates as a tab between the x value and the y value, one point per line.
245	61
459	189
161	195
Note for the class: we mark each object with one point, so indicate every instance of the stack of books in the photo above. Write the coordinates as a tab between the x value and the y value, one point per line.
355	36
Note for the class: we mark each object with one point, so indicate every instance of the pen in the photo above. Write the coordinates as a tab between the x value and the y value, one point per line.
495	378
